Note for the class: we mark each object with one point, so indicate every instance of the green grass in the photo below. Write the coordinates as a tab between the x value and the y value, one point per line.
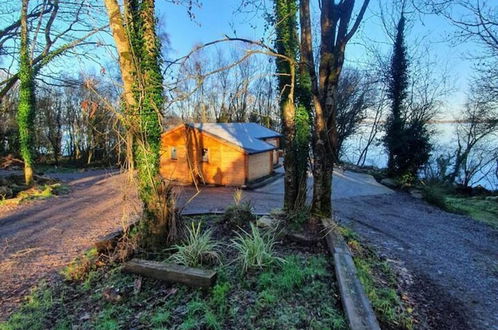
33	312
380	284
480	208
37	192
300	293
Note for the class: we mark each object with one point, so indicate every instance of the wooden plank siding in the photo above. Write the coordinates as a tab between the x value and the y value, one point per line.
225	165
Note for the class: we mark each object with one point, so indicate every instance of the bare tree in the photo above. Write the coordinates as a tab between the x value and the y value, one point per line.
477	127
57	28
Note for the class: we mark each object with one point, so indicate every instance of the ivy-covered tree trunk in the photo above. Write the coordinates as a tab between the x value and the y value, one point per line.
139	51
294	119
26	108
397	93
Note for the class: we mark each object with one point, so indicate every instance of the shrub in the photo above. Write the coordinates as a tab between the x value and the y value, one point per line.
435	194
198	249
255	249
80	267
299	216
240	213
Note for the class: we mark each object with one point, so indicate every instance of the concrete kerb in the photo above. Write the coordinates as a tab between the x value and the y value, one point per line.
357	306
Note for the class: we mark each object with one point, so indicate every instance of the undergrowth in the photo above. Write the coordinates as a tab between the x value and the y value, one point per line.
199	248
380	285
298	293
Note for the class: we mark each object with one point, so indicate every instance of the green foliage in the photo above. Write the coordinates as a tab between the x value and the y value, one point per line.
198	249
297	133
255	249
380	284
262	300
406	139
144	119
481	208
303	279
239	214
81	267
26	107
31	315
285	20
299	216
436	195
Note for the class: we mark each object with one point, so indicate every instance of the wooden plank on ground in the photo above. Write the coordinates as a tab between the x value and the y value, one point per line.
357	306
171	272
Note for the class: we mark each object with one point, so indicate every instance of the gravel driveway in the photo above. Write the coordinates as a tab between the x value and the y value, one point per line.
39	238
454	259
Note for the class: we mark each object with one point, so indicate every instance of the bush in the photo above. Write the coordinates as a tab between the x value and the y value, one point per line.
435	194
255	250
198	249
240	213
80	267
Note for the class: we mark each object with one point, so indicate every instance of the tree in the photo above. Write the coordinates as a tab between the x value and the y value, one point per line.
57	27
26	108
355	95
139	57
407	136
397	94
335	19
475	132
477	21
294	120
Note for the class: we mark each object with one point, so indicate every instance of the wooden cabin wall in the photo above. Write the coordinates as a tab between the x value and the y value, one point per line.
225	164
260	165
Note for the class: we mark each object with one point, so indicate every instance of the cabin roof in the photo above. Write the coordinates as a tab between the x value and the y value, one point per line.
248	136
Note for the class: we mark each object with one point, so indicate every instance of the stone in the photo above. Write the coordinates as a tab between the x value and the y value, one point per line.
267	222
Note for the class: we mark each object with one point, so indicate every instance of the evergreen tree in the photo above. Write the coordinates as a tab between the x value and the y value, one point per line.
406	139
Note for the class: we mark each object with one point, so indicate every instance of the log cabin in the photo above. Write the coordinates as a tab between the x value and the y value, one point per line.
228	154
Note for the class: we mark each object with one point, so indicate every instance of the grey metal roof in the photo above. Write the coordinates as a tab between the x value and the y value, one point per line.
245	135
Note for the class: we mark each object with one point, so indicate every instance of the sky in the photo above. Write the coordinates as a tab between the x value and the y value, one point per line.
214	19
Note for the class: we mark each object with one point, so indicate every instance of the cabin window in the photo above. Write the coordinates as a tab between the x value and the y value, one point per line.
173	153
205	153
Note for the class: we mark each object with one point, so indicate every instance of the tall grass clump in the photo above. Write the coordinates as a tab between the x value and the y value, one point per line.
255	249
199	248
239	214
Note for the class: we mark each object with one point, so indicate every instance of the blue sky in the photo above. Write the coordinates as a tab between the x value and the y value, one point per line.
216	18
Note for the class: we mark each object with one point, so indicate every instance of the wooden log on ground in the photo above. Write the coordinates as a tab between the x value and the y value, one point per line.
194	277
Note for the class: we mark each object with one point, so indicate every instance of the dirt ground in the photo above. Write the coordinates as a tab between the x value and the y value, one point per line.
38	238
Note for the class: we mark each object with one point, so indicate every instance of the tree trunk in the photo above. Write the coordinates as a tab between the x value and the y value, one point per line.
25	114
123	46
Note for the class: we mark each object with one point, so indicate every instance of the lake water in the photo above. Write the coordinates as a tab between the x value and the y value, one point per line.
444	141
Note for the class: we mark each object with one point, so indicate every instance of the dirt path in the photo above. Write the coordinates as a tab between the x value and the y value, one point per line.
39	238
454	260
